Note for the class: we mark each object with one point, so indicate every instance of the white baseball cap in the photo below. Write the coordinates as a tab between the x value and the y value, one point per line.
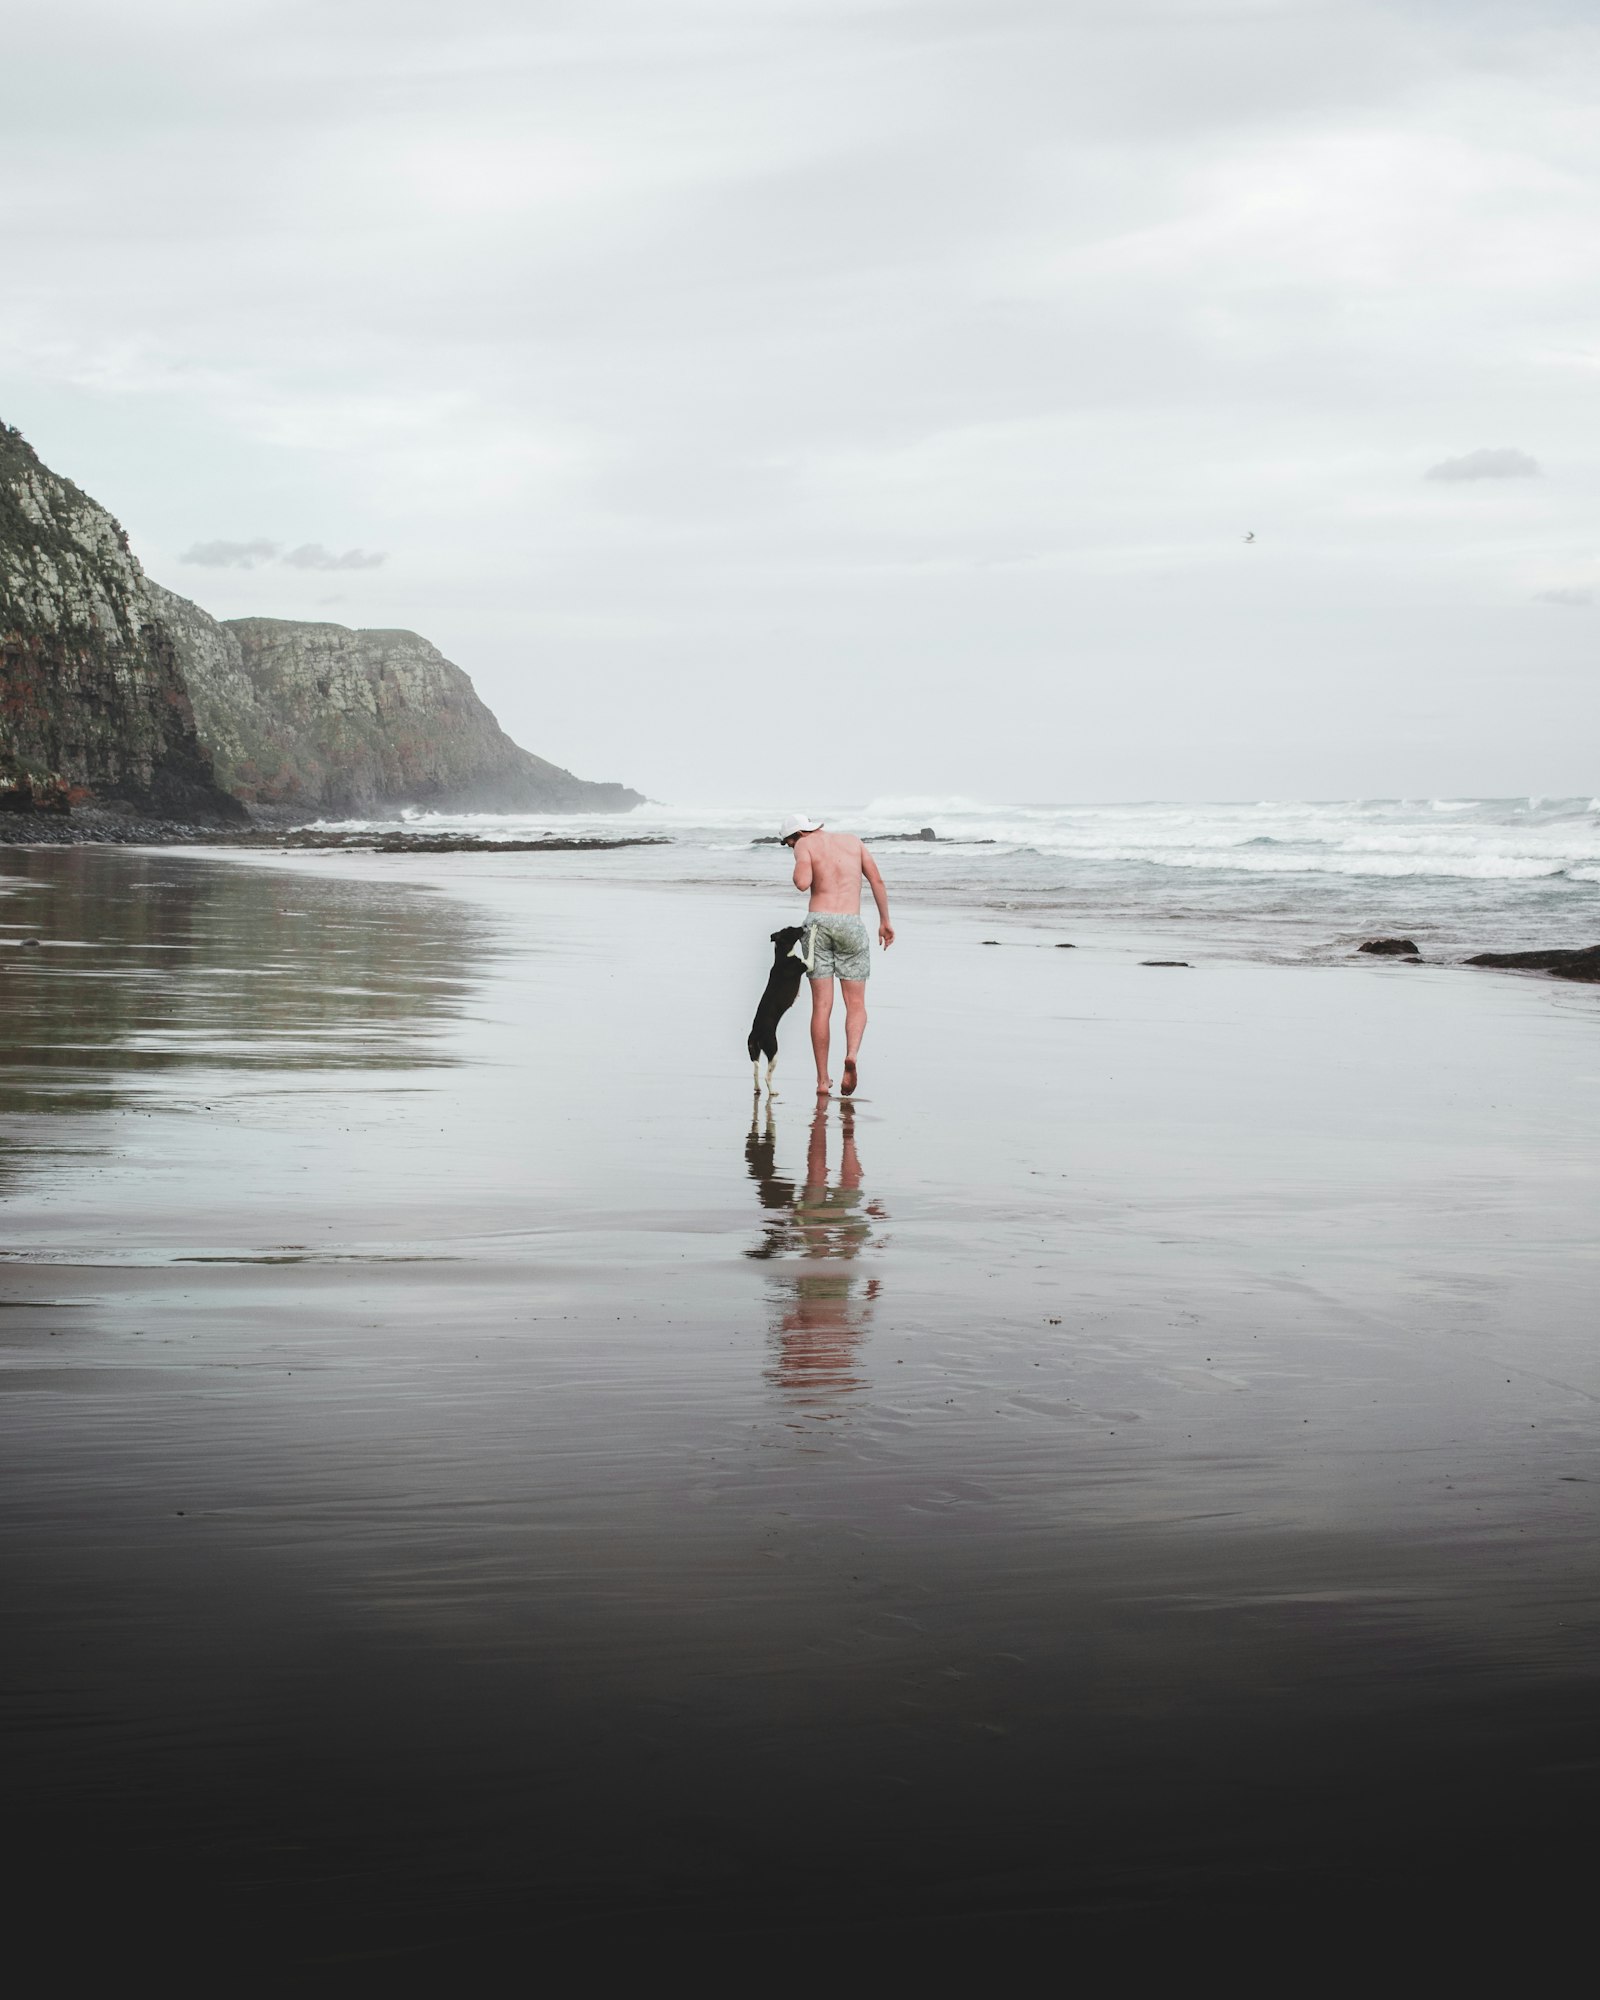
799	823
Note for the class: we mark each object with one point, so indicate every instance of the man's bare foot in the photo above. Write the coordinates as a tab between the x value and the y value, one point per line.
849	1076
824	1085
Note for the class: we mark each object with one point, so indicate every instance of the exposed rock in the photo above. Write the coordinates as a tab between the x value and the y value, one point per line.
1581	964
437	843
927	833
325	719
113	824
36	795
878	839
1167	961
1390	948
92	700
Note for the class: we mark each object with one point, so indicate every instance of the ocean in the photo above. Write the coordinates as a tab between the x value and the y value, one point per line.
1280	881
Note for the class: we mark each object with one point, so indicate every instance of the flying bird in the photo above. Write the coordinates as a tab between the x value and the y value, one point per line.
1251	536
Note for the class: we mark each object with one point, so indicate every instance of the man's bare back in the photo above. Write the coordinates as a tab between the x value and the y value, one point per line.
831	866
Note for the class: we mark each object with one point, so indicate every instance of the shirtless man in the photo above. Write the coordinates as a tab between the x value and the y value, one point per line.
829	866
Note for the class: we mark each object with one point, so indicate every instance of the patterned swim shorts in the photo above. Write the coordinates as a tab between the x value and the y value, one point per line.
835	945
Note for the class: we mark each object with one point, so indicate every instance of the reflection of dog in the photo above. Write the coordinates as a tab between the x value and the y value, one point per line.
783	985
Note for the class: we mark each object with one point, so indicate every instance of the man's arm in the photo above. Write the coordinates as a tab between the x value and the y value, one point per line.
802	867
880	896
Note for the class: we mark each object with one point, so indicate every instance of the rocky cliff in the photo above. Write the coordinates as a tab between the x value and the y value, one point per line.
114	690
333	721
92	701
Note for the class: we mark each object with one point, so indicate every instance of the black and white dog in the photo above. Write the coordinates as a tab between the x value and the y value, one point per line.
783	985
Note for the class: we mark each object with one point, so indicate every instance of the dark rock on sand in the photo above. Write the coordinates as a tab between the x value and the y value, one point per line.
1390	948
1583	963
1166	961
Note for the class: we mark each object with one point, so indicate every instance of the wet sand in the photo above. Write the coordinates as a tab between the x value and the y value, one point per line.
474	1489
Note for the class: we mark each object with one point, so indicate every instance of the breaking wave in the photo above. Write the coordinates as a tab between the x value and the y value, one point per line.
1501	839
1259	874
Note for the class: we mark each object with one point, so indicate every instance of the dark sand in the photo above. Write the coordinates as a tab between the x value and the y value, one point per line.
472	1499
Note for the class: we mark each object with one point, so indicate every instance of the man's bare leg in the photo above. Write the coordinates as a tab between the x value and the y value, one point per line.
855	1026
821	1008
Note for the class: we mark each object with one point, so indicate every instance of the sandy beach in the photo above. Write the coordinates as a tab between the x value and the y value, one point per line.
474	1484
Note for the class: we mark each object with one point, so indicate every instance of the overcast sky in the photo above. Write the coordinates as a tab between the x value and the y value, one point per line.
843	398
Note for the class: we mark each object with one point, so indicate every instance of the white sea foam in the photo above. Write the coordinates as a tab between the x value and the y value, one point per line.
1484	870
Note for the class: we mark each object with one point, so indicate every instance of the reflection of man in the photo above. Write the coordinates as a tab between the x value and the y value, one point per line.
828	867
824	1228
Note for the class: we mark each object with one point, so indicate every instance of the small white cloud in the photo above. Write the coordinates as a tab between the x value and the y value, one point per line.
230	555
1493	462
312	555
1574	599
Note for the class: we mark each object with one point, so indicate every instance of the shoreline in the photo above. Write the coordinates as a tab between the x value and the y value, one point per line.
102	828
1567	964
1457	880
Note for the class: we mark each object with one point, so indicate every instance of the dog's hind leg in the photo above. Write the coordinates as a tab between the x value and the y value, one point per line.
772	1088
755	1076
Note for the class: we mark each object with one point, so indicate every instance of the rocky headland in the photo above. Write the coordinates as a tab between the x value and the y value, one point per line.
328	720
128	713
93	702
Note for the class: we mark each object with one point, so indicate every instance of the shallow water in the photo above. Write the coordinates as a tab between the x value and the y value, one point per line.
472	1479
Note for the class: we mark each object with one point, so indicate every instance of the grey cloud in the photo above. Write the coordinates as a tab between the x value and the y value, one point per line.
779	332
309	555
1574	599
229	555
312	555
1493	462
